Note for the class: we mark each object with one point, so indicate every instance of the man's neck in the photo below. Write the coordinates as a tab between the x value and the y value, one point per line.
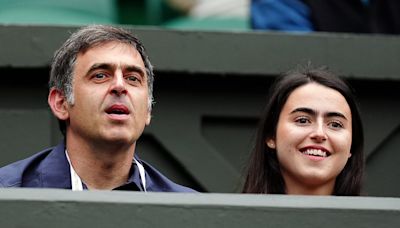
100	166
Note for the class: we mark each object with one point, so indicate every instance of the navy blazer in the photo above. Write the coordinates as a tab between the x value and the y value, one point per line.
50	169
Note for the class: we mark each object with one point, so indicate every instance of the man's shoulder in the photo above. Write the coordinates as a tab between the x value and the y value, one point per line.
12	174
157	182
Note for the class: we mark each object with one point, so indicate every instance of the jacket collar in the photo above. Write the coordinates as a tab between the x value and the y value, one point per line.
54	170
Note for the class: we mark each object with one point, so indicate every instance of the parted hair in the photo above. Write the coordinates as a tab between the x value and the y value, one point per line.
62	67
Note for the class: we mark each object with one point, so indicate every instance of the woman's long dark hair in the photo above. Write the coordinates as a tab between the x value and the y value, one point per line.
263	170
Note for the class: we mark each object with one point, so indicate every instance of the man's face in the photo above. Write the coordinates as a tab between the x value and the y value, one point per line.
110	95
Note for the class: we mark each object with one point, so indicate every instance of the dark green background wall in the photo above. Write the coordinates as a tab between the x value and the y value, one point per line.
210	89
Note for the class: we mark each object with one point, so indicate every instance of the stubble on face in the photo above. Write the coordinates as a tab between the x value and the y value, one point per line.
111	95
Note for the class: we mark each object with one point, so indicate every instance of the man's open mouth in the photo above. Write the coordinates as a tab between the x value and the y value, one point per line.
118	110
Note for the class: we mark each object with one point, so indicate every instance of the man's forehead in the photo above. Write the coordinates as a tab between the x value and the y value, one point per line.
96	45
113	55
113	52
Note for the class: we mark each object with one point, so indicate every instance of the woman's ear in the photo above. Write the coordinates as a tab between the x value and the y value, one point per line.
270	143
58	104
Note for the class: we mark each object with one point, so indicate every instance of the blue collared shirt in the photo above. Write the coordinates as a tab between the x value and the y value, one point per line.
50	169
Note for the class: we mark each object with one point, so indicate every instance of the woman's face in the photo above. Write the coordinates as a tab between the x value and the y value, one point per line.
313	139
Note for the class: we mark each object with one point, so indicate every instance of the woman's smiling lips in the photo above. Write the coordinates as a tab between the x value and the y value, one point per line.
118	112
316	153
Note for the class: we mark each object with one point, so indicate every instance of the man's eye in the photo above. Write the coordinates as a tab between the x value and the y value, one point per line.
99	76
132	78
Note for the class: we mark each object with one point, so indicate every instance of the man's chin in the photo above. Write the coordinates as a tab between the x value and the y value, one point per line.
119	139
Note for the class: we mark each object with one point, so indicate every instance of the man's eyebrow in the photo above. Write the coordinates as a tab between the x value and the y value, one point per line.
103	66
108	66
133	68
313	112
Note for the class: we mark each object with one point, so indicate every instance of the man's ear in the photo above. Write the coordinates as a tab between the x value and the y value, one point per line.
148	119
58	104
270	143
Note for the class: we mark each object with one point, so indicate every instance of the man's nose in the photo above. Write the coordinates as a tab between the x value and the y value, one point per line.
118	86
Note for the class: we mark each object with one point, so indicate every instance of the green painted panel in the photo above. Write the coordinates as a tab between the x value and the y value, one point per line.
71	12
23	132
261	54
149	149
383	167
209	24
62	208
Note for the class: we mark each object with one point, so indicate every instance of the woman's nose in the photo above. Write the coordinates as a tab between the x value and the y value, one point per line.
319	133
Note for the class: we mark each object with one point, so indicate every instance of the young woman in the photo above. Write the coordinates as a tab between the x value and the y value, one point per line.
310	138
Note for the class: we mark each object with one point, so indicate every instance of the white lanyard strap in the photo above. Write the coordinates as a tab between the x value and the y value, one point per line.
142	174
76	181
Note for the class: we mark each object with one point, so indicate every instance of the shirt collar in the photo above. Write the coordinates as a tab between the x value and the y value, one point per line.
55	172
134	182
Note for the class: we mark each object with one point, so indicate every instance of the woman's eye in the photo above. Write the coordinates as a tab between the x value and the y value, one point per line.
335	124
302	120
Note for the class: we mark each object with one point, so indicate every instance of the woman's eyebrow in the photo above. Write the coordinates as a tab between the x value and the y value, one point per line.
305	110
313	112
335	114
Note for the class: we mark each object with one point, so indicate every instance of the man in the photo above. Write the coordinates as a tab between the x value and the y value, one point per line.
101	84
